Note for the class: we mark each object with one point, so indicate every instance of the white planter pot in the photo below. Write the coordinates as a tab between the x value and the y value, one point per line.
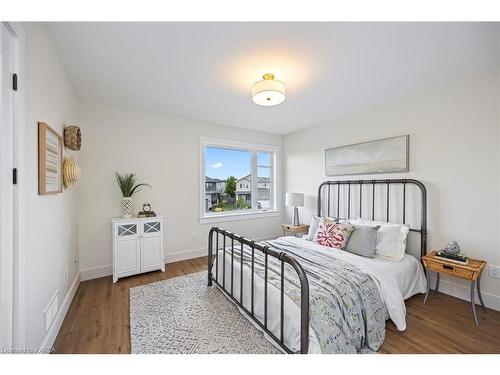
126	204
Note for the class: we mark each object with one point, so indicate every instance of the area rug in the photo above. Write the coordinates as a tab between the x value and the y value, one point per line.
183	316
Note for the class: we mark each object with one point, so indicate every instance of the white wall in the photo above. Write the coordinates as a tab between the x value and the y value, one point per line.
50	233
163	151
454	150
455	139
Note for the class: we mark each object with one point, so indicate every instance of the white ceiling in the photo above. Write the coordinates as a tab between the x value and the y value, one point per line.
205	70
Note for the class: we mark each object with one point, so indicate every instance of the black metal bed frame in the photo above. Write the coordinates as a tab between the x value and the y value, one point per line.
387	182
267	251
325	187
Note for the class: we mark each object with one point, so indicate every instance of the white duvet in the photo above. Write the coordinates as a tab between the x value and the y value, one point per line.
396	281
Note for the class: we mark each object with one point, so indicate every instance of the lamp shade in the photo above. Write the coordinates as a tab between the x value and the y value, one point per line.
294	199
269	91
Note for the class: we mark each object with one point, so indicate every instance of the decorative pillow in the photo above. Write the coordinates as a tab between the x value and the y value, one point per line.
391	238
313	227
332	234
363	241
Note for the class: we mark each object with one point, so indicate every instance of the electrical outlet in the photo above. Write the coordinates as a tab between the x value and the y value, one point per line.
494	271
194	236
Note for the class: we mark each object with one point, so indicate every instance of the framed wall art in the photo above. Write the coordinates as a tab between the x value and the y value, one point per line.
50	154
381	156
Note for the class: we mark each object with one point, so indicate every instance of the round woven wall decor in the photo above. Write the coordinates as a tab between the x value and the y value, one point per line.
71	172
73	137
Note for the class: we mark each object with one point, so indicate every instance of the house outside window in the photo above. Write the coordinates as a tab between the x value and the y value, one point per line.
238	179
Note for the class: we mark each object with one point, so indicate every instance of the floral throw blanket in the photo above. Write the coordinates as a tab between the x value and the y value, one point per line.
346	310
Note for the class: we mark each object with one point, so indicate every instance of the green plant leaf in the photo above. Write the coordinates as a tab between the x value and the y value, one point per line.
128	185
136	189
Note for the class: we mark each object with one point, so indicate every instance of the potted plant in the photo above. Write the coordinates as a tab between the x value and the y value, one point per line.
129	186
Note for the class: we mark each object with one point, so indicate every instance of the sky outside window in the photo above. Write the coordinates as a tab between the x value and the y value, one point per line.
222	163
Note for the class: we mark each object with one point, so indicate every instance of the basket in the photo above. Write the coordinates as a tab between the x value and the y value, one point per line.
71	172
73	137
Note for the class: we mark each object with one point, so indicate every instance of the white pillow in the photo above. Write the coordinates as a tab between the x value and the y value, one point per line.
389	242
313	227
358	222
391	238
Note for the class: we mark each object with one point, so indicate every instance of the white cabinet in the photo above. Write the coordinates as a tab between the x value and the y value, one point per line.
137	246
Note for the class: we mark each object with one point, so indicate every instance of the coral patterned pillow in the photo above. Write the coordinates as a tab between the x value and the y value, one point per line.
333	234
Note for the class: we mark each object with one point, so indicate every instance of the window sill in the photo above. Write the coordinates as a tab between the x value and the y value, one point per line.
219	218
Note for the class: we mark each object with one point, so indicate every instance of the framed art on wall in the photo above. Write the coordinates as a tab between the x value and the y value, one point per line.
50	154
381	156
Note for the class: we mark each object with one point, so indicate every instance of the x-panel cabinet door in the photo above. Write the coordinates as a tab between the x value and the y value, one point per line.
128	259
151	245
151	228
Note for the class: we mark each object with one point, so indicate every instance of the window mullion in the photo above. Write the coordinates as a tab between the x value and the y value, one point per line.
272	186
254	181
203	204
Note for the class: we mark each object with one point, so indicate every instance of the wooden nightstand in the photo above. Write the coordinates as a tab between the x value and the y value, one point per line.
470	271
298	229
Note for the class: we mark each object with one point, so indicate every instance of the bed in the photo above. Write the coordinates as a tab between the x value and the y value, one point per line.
309	298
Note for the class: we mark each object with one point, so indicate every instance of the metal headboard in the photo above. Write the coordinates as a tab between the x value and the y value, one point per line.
326	191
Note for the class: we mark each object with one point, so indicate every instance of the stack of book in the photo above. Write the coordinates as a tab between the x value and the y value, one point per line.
457	258
146	214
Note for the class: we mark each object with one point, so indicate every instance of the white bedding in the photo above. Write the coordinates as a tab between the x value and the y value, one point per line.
396	281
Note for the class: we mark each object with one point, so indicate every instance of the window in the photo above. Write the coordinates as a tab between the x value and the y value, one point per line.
237	179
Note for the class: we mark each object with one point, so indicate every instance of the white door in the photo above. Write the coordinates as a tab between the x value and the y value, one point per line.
128	260
6	185
151	246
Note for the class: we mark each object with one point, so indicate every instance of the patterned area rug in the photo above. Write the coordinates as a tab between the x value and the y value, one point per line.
184	316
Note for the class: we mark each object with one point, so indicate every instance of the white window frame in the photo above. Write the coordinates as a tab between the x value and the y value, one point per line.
254	212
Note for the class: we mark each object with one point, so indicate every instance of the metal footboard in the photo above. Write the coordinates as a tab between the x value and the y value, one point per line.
268	252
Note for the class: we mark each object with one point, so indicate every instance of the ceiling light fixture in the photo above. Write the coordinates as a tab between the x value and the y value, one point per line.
269	91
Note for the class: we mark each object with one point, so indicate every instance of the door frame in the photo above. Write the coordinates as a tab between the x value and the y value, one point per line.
15	326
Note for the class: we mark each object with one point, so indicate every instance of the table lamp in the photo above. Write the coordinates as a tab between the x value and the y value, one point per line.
295	200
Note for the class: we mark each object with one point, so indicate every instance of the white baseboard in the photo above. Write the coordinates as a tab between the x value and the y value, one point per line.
107	270
96	272
454	289
185	255
51	335
190	254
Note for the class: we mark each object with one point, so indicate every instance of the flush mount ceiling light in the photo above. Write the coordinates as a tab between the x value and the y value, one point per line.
269	91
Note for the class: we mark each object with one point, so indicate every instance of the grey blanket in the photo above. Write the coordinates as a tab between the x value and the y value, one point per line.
346	310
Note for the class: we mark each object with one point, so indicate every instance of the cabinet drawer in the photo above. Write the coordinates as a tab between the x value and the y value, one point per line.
292	229
450	270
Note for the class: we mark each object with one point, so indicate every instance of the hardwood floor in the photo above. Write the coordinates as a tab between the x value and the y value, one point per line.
98	319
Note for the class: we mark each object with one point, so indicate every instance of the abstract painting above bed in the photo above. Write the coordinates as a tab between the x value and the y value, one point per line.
381	156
